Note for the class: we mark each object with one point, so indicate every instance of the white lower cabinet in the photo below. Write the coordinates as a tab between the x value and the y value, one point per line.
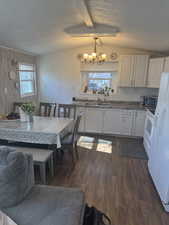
111	121
117	121
126	122
94	120
138	123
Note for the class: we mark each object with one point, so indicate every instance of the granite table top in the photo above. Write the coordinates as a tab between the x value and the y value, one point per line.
43	130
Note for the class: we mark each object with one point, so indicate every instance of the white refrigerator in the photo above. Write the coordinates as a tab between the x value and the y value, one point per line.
159	161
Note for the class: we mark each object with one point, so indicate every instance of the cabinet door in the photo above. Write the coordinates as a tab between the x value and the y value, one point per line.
126	70
166	65
81	110
139	123
154	73
126	120
111	121
140	70
94	120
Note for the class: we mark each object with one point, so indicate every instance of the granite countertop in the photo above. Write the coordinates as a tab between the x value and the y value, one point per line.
109	105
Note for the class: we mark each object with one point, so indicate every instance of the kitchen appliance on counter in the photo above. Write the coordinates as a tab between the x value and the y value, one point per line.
158	163
149	101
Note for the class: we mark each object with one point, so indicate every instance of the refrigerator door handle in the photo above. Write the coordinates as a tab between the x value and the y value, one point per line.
155	120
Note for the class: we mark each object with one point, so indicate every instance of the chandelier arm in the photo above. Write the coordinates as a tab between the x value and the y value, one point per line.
95	45
94	57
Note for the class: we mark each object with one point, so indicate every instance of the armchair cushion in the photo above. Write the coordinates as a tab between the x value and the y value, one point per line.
49	205
16	176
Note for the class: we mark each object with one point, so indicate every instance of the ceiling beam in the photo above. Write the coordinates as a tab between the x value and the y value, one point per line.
84	12
99	30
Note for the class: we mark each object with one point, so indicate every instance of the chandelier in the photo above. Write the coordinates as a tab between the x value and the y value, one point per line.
93	57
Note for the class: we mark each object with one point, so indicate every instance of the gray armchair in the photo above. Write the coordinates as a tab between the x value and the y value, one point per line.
40	205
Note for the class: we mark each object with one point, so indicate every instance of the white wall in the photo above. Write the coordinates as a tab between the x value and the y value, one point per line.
59	76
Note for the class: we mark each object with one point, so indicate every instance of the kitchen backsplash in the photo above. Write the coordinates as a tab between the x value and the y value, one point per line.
123	94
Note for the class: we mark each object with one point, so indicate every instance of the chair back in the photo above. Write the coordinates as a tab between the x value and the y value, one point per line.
53	109
67	110
76	128
45	109
16	106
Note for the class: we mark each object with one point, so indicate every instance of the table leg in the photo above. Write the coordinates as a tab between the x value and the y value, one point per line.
43	172
56	152
51	166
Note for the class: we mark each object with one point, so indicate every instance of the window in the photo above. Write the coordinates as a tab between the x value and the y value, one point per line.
99	80
27	79
96	82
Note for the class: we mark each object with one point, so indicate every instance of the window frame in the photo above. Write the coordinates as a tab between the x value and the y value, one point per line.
86	73
31	80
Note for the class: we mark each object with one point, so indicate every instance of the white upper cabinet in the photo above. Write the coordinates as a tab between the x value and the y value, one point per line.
166	65
133	70
156	67
126	70
140	70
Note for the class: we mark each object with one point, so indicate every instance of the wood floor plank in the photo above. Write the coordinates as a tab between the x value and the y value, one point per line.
121	187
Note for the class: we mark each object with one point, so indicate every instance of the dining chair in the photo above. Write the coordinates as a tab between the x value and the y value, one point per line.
67	111
45	109
69	142
16	106
53	109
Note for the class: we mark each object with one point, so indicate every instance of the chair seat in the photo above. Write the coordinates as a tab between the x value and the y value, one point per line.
49	205
39	155
67	140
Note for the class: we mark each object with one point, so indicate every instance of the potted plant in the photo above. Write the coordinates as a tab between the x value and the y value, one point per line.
26	112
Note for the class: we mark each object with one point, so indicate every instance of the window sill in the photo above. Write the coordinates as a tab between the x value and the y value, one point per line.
97	95
28	95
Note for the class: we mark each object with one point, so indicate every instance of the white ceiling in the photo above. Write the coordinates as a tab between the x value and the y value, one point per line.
37	25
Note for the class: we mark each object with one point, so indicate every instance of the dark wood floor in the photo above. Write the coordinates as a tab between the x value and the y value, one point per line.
121	187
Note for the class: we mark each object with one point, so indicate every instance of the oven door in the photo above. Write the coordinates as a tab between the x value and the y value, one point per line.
148	132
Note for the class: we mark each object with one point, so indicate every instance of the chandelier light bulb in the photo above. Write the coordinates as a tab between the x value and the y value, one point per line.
93	57
104	56
90	58
85	55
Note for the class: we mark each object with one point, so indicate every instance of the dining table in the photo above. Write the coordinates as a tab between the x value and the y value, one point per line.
42	130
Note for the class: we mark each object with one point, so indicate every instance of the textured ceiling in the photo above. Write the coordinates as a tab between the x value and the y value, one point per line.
103	11
143	23
37	25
